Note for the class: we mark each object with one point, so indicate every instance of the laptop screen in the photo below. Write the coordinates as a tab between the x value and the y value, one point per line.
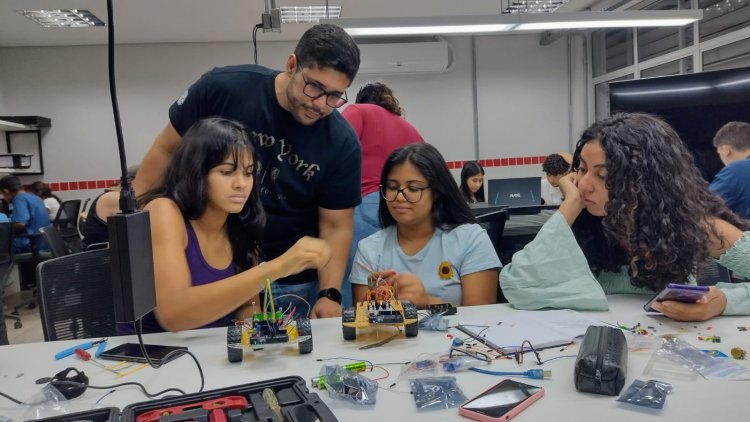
519	192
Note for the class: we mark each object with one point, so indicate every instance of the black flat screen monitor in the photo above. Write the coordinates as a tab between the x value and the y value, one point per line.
696	105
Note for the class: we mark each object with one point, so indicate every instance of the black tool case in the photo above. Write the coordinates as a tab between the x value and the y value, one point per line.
296	404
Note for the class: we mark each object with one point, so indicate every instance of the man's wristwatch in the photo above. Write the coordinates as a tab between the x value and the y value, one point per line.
332	294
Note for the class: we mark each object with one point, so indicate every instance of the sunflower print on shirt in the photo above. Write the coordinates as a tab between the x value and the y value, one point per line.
445	270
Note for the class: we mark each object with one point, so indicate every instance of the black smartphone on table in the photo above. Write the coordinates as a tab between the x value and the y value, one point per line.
131	352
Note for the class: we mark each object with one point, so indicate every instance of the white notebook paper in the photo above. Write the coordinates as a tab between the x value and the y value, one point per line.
543	329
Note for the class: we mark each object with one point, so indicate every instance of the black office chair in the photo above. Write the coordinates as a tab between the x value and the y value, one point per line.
55	242
494	223
66	223
75	296
6	265
80	212
713	273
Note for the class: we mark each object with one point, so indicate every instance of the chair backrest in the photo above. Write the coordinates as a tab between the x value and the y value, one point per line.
66	220
80	212
75	296
55	242
494	223
713	273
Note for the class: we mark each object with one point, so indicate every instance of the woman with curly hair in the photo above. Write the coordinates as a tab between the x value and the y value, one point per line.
637	215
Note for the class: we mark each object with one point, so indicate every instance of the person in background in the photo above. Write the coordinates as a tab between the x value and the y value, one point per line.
206	221
430	247
554	167
378	120
472	182
94	226
732	182
51	202
637	215
29	214
308	156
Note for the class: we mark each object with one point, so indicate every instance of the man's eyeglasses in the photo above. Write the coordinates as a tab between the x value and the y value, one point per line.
410	193
312	90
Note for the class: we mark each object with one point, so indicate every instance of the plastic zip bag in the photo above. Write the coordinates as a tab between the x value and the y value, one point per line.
436	393
651	394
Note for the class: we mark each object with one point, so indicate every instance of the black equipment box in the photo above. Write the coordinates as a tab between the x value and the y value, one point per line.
243	403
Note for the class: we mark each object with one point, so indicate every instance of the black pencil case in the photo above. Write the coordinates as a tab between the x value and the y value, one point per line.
602	362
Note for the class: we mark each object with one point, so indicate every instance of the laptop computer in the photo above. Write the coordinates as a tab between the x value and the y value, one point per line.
514	193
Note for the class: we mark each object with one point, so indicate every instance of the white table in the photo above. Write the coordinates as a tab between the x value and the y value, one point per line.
694	400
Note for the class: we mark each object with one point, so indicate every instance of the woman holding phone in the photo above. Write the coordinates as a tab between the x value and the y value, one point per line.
637	215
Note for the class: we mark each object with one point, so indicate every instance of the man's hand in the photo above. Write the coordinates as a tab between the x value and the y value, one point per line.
325	308
707	307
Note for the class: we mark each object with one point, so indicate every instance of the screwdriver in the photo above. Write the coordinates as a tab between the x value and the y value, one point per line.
84	355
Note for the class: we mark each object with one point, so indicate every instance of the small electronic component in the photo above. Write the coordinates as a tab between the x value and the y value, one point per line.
442	309
738	353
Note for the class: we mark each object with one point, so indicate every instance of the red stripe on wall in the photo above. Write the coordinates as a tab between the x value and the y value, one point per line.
485	162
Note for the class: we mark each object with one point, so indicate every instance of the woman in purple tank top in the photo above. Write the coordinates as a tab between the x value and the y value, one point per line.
206	221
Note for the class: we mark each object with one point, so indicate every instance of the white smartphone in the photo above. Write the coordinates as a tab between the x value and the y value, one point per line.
501	402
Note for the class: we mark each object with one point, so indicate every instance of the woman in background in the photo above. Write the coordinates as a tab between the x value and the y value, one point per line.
472	182
51	202
430	247
637	215
206	220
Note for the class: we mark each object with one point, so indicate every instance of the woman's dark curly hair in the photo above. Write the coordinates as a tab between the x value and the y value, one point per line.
659	206
379	94
206	145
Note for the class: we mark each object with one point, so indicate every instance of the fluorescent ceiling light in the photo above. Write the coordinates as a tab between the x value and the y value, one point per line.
516	22
63	18
308	14
423	30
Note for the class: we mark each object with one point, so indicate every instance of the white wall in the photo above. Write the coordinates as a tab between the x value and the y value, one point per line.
522	98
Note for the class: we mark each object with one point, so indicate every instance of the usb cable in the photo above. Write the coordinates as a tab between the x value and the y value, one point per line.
536	374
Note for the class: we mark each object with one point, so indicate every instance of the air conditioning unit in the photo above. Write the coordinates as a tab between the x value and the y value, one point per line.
405	56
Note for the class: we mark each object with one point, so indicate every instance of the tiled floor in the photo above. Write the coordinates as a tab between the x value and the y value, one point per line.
31	332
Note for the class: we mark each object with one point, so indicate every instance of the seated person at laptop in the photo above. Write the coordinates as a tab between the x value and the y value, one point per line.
29	214
206	219
637	215
472	182
430	246
554	167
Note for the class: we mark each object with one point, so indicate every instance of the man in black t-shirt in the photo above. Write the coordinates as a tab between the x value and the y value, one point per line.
309	157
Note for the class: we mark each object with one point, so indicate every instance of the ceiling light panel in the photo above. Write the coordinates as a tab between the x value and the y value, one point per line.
308	14
63	18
